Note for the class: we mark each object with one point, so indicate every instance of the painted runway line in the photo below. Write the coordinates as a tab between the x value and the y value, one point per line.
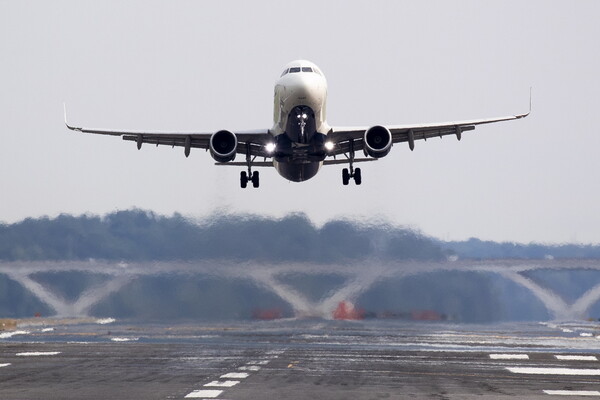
554	371
4	365
572	392
38	353
222	384
203	394
509	356
235	375
576	358
263	362
249	368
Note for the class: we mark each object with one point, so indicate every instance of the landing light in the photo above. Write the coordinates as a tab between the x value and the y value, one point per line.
270	147
329	146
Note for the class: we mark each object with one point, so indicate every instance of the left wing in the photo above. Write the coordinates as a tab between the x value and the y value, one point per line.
341	136
252	141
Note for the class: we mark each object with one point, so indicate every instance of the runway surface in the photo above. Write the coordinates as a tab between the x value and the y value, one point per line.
290	359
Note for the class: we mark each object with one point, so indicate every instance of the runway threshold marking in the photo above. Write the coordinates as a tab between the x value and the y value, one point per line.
509	356
572	392
208	394
554	371
38	353
227	384
576	358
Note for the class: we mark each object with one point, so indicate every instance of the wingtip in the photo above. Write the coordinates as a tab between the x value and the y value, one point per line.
66	122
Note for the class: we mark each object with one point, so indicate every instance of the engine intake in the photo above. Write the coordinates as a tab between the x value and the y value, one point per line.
378	141
223	145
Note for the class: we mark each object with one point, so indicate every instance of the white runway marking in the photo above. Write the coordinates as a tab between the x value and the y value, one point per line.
198	394
222	384
586	334
567	330
554	371
124	339
4	365
572	392
249	368
6	335
263	362
48	330
509	356
576	358
105	321
38	353
235	375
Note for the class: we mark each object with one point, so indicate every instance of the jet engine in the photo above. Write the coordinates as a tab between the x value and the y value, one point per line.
378	141
223	145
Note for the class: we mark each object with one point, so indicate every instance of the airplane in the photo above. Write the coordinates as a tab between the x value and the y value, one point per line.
300	141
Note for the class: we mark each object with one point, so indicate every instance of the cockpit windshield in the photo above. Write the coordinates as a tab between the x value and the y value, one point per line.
294	70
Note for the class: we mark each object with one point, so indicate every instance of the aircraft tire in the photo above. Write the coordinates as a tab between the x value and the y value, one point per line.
243	179
345	176
255	179
357	176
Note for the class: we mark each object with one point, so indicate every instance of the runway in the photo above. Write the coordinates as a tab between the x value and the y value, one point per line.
310	359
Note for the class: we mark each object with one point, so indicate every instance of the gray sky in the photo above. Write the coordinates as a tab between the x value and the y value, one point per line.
209	65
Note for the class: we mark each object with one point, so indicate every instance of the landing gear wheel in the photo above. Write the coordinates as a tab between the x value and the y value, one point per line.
345	176
243	179
357	176
255	179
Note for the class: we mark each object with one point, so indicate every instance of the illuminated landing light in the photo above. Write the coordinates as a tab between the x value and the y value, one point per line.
329	146
270	147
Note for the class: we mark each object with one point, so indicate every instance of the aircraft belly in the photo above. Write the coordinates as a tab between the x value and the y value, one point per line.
297	172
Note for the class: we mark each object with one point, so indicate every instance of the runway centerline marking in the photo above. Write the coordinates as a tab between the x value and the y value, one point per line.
38	353
554	371
576	358
263	362
235	375
509	356
4	365
197	394
222	384
572	392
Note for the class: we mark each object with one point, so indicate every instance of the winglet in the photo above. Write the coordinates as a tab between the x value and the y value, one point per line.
528	112
66	123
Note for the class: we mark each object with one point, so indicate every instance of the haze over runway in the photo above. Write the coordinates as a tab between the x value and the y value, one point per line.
211	65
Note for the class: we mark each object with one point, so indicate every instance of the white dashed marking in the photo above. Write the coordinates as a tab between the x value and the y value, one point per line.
222	384
576	358
554	371
48	330
249	368
4	365
509	356
567	330
586	334
263	362
198	394
572	392
38	353
124	339
235	375
6	335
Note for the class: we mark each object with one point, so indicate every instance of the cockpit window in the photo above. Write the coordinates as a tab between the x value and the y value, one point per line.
294	69
284	72
307	69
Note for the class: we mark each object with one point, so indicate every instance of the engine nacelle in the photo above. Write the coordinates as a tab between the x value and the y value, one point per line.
378	141
223	145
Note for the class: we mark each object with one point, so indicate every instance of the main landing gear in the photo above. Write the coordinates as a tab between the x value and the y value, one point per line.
246	177
352	173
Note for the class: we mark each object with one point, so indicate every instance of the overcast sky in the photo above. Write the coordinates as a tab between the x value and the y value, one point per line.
210	65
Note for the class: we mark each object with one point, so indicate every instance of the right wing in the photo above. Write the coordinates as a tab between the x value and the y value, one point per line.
253	141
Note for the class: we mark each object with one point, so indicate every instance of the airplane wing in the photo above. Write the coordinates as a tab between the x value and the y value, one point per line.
342	136
254	140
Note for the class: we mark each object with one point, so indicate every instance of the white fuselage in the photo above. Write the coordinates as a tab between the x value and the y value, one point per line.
299	113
